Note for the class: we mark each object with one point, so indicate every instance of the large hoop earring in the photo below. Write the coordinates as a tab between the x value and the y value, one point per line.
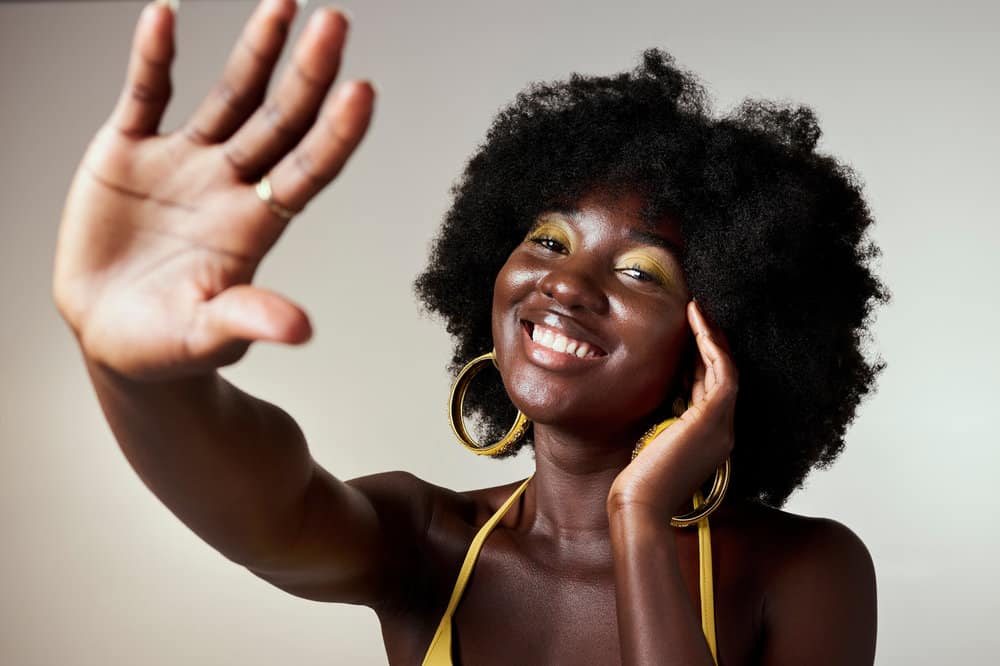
703	509
456	403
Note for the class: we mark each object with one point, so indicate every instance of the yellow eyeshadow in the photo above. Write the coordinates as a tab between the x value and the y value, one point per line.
549	230
649	265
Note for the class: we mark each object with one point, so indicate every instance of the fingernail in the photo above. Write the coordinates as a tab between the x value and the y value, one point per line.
348	14
172	5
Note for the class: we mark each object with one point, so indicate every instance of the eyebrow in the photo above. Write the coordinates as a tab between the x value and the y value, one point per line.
646	237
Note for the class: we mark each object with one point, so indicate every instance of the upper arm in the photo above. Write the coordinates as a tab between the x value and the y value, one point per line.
356	541
821	607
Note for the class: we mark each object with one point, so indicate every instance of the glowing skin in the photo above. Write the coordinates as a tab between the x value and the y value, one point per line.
599	274
642	261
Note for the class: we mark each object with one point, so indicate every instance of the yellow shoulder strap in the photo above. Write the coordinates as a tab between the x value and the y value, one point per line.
705	571
439	652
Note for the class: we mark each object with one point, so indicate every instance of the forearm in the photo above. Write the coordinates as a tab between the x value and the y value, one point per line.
231	467
656	621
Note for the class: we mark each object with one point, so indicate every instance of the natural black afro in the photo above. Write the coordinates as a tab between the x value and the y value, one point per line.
775	249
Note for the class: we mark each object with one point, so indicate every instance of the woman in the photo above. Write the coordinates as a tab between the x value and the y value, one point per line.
581	234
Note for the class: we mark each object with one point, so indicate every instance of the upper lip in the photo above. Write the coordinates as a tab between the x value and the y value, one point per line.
569	326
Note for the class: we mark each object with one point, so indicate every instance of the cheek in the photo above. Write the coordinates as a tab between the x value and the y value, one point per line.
677	361
511	283
659	357
507	288
500	292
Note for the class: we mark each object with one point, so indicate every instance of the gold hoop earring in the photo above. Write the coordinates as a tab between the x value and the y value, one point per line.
456	403
703	509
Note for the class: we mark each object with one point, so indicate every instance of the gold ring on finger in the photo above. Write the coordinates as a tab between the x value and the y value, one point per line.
265	194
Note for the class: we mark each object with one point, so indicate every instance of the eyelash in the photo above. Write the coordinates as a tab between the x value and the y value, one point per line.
644	276
542	240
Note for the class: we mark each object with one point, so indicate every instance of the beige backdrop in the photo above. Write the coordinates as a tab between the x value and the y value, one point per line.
94	571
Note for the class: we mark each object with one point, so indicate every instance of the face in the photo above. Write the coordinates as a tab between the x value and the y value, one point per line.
589	317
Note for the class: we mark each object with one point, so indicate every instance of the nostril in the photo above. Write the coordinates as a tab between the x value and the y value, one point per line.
573	289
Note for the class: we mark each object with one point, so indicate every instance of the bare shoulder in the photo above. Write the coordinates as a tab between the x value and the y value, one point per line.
818	583
794	539
427	508
428	528
401	499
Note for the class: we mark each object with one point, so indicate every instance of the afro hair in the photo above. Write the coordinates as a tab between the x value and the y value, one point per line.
775	246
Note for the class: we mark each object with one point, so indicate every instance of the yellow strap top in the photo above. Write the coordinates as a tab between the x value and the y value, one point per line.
439	652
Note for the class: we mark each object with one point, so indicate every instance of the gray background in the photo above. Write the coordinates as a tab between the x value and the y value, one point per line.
93	570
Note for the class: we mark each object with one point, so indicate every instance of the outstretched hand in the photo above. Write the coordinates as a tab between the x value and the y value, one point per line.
162	233
675	463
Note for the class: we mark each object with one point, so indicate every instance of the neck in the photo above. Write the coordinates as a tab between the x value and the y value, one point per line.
567	497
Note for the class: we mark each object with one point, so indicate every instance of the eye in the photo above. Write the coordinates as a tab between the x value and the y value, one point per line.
548	243
636	271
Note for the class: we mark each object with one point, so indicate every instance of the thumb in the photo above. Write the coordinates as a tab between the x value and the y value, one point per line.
243	314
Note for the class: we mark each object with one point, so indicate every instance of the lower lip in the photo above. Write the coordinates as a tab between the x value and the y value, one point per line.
550	358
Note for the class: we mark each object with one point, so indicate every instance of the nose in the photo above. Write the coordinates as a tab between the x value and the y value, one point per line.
573	288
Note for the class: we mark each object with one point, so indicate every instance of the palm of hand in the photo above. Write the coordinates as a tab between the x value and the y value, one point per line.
161	234
161	245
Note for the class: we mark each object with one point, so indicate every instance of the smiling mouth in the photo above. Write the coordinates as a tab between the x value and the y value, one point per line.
552	338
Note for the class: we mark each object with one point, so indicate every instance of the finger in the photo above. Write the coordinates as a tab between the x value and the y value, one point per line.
717	333
147	84
322	153
720	373
707	361
246	74
242	314
698	392
720	370
700	328
281	122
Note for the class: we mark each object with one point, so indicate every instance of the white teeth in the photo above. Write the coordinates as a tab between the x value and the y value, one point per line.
560	343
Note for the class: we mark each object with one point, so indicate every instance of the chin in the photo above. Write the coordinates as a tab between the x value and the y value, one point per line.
560	404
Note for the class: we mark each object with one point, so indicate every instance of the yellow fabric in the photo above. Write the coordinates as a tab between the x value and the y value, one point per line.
705	578
439	651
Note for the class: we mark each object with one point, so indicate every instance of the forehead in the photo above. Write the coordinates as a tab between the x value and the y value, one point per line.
624	211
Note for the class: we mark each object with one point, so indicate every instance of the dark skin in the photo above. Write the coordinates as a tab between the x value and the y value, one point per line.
598	579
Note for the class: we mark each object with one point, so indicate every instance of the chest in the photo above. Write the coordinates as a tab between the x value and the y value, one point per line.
536	616
548	608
